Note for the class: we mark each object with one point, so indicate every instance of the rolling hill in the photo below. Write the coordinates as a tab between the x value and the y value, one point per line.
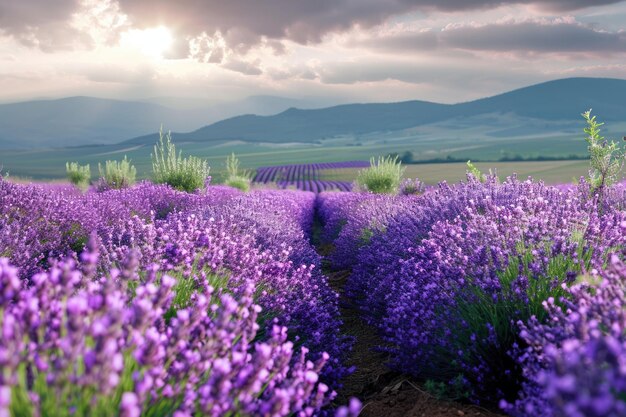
556	101
76	121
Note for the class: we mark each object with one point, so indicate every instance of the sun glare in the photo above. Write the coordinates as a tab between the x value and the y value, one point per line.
153	42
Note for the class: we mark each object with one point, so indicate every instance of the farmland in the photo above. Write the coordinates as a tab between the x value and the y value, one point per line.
426	143
312	208
300	288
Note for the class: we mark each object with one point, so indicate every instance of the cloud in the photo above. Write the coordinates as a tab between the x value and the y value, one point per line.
536	36
40	23
243	67
242	23
563	35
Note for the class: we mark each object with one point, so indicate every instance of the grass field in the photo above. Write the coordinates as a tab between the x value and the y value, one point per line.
50	163
552	172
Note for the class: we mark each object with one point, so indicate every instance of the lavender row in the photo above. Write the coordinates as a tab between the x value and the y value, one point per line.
316	186
292	173
474	287
182	303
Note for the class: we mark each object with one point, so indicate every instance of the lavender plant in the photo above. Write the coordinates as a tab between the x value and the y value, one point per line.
76	343
261	235
411	187
574	360
449	277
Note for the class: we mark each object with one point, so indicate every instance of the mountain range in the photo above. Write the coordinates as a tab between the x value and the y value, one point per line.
78	121
88	121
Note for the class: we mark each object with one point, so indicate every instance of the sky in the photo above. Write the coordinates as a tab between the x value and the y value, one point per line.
445	51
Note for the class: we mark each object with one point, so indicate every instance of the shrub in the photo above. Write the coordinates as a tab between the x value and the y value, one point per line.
475	172
382	177
116	175
184	174
607	159
234	177
79	175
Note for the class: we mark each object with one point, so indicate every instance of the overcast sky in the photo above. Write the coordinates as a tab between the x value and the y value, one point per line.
347	50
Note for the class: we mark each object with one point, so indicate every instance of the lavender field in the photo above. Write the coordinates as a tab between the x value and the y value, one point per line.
291	208
151	301
306	177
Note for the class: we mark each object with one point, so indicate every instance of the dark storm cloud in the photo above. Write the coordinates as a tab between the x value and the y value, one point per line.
535	37
245	23
41	23
18	16
524	36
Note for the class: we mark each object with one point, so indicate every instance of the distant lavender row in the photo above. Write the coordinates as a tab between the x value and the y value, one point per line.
316	186
301	171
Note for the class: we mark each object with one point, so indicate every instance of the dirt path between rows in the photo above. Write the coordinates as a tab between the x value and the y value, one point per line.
382	392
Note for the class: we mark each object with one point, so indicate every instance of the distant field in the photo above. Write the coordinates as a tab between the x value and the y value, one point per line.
425	143
552	172
50	163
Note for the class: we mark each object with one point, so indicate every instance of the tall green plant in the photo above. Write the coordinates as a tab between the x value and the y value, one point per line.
79	175
382	177
607	158
168	167
234	177
117	175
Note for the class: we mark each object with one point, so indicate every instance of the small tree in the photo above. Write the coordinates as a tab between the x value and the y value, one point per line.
234	177
184	174
382	177
79	175
116	175
607	158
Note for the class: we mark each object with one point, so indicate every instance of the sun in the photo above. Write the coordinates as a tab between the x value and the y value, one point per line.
153	42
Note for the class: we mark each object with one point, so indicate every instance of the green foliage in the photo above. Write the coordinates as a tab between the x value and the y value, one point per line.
607	159
234	177
118	175
382	177
452	391
79	175
184	174
475	172
241	183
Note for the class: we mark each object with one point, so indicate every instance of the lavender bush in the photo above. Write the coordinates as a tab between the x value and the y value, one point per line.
251	247
450	278
78	343
574	361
